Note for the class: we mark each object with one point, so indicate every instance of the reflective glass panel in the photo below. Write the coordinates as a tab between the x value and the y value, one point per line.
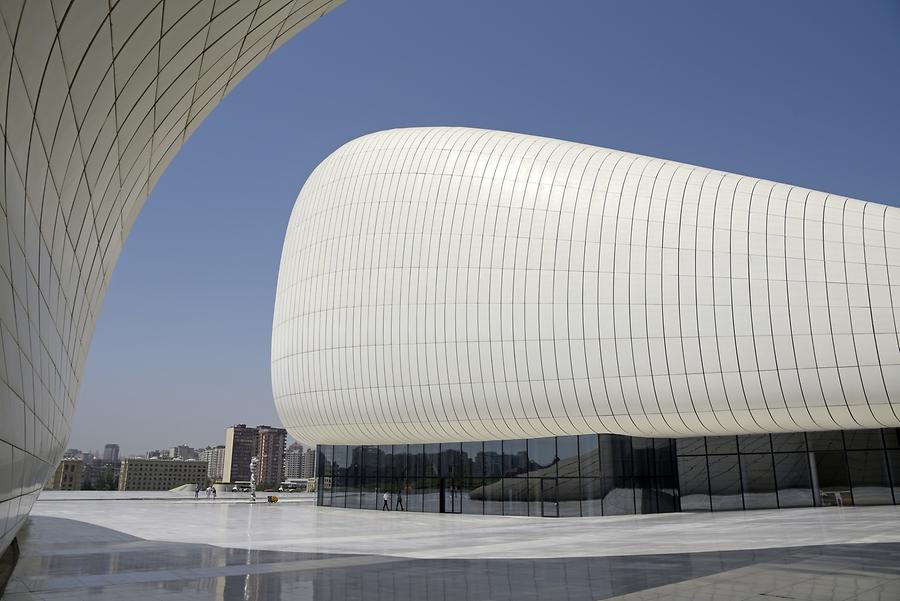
569	495
618	496
870	479
591	496
754	443
589	456
863	439
515	458
472	502
793	480
825	441
721	445
542	457
792	441
567	450
691	446
725	482
492	459
473	455
385	462
893	456
834	479
693	481
758	478
515	496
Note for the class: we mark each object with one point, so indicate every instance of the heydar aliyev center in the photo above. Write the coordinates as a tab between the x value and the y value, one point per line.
489	322
482	322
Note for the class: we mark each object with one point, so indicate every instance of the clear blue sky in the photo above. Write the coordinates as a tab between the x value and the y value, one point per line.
804	92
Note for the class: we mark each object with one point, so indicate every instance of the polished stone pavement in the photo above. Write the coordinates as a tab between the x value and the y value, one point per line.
222	550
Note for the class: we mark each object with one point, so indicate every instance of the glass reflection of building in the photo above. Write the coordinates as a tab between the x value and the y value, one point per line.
605	474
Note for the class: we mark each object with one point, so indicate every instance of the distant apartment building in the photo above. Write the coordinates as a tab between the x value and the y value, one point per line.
293	461
270	452
72	454
111	453
160	474
240	447
182	451
67	475
215	459
99	474
308	467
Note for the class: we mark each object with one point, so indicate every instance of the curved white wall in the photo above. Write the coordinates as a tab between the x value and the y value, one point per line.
447	284
97	97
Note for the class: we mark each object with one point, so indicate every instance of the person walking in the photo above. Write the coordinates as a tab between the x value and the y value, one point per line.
208	492
386	506
197	492
399	506
214	492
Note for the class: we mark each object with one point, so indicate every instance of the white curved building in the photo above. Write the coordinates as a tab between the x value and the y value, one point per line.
452	284
97	98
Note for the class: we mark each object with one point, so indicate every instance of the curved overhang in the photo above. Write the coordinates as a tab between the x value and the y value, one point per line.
454	284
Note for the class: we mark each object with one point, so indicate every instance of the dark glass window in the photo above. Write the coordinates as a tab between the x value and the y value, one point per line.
725	482
693	481
691	446
618	496
892	438
432	461
721	445
793	480
515	458
567	450
790	442
325	460
385	462
493	458
893	456
834	479
869	476
472	500
754	443
492	496
542	457
543	495
473	456
591	496
615	456
589	456
569	496
863	439
665	457
825	441
758	479
451	460
415	462
643	457
370	462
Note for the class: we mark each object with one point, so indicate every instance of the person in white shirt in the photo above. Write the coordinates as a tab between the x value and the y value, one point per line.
387	502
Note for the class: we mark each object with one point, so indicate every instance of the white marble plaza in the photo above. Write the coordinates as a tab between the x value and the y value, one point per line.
295	524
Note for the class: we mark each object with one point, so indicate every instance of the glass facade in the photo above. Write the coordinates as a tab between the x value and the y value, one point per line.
554	477
605	474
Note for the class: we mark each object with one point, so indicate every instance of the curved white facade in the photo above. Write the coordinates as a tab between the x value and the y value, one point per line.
97	97
451	284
